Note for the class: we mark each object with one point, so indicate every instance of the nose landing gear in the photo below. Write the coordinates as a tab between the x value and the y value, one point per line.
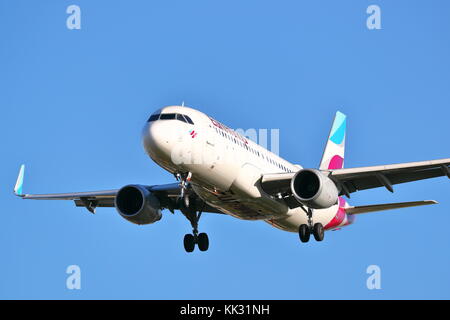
188	205
199	239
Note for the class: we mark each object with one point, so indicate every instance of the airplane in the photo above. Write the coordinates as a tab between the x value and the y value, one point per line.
219	170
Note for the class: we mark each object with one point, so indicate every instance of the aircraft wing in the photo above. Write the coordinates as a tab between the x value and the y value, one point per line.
167	194
355	179
362	178
387	206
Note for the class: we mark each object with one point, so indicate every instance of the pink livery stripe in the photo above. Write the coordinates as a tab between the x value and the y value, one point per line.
339	217
336	162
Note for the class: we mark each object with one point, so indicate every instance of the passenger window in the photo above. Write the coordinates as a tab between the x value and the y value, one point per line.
153	117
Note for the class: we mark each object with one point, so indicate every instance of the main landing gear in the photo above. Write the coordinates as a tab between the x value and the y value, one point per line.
188	206
305	230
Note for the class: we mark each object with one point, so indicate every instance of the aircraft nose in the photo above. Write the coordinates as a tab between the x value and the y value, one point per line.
153	138
158	140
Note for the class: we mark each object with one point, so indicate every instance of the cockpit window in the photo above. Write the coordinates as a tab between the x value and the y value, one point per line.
180	117
171	116
168	116
153	117
188	119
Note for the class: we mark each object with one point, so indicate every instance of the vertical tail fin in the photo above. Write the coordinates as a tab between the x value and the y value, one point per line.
333	155
19	183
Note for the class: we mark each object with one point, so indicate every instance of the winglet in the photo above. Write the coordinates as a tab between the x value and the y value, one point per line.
19	182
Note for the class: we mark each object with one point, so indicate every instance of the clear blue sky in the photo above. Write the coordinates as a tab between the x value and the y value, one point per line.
73	104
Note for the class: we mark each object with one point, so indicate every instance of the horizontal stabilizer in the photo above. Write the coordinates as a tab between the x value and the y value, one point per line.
387	206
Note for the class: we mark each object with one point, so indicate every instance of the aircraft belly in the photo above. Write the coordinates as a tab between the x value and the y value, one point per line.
243	197
230	203
331	218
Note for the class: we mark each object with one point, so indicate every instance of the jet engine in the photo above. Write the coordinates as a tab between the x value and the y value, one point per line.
313	189
138	205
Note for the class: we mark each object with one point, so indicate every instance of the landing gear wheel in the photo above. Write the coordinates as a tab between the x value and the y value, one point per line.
189	242
318	232
203	241
304	232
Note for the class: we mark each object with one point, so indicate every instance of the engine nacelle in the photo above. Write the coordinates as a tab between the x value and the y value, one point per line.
138	205
313	189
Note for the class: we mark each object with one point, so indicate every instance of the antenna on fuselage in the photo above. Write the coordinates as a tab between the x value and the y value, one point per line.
182	104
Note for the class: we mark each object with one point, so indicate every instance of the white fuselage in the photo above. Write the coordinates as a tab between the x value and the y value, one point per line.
226	168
